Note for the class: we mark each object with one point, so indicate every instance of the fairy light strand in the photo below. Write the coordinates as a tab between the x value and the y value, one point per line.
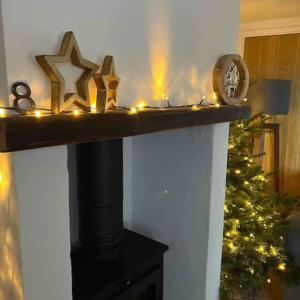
40	111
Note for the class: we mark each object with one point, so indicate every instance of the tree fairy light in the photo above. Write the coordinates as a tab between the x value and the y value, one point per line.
261	249
260	219
248	203
274	251
282	267
226	208
232	247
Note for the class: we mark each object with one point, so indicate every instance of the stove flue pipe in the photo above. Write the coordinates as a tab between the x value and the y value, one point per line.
99	168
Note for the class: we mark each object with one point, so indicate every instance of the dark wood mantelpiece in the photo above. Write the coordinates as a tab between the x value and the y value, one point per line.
28	132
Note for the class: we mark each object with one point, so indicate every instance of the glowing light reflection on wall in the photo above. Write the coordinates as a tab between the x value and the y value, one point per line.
159	52
10	261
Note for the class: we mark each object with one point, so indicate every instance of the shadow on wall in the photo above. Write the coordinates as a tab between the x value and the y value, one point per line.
11	287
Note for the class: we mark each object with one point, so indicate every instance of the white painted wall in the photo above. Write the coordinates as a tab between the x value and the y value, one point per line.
165	45
11	285
178	198
41	178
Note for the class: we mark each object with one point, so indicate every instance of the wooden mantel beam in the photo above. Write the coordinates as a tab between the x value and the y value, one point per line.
28	132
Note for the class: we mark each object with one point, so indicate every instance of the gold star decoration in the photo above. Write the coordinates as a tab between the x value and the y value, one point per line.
107	85
69	52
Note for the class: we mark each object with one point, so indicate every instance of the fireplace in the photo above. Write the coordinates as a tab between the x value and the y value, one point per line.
120	264
110	262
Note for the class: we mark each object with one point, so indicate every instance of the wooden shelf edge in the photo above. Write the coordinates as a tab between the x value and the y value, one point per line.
29	132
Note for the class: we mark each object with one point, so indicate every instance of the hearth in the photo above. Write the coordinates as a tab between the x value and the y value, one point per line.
110	262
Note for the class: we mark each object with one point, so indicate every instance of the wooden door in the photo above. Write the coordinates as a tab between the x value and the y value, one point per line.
278	57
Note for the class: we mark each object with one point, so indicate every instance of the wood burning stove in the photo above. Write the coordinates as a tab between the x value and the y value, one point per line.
110	262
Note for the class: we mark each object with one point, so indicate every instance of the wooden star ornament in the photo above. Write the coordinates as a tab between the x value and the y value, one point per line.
107	83
69	53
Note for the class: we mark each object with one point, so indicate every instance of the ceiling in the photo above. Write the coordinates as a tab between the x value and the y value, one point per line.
262	10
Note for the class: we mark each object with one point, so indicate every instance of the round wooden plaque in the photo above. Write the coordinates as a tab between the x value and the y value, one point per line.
231	79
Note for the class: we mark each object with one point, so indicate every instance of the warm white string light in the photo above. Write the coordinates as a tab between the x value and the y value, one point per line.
76	112
37	113
133	111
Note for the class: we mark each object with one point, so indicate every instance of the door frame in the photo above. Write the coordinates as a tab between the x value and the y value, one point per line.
266	28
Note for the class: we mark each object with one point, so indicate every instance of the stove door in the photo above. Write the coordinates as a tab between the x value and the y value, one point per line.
148	288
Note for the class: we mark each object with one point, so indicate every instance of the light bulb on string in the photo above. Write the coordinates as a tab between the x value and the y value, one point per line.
76	112
195	108
133	111
37	113
93	110
141	105
2	112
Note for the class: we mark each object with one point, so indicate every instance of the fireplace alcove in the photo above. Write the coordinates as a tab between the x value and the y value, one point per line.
109	262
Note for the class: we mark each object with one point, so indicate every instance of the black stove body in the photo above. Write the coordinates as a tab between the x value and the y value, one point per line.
110	262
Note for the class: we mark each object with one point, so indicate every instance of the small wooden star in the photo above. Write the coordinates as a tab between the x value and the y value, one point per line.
69	52
109	81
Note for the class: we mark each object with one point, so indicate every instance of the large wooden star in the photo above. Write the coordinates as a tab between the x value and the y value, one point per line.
69	52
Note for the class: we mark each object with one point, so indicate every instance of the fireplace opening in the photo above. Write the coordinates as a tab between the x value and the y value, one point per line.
108	261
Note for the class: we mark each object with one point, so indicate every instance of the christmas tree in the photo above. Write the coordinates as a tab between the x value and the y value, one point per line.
255	220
